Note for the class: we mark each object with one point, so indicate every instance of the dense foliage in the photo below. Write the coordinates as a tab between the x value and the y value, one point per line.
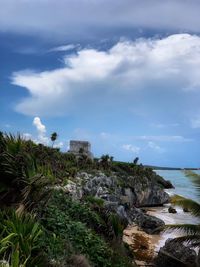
42	226
77	224
21	239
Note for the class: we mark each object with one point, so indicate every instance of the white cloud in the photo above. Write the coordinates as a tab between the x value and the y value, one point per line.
120	71
73	19
129	147
164	125
41	129
155	147
163	138
7	125
38	124
27	136
105	135
63	48
195	123
59	145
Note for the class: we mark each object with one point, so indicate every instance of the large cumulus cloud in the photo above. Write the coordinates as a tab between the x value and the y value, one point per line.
156	65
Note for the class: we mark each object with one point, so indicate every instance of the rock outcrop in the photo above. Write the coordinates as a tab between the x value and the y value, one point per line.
124	194
172	210
148	223
132	190
174	254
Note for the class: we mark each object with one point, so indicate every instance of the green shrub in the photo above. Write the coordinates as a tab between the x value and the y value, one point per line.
95	200
116	225
20	239
80	228
75	210
64	224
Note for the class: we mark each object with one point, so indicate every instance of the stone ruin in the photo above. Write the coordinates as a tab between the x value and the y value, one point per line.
80	147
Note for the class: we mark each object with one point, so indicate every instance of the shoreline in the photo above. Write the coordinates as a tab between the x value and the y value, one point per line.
146	246
141	243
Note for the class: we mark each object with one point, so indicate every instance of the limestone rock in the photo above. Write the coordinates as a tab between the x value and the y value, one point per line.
72	189
175	254
186	210
136	191
148	223
172	210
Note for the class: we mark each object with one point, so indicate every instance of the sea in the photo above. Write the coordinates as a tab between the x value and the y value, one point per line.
184	186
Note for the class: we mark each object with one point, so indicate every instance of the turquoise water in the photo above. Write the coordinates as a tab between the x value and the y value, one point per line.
184	186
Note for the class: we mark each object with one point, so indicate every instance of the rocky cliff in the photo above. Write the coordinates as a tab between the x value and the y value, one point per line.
123	194
126	190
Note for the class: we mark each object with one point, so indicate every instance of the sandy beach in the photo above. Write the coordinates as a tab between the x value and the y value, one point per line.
146	246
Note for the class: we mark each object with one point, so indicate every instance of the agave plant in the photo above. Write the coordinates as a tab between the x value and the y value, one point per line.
22	177
191	231
20	239
38	179
12	162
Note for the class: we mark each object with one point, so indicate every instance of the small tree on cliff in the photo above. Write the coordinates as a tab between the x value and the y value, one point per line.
54	136
135	161
106	161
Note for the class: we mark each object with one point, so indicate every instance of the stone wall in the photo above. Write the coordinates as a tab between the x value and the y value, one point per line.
78	147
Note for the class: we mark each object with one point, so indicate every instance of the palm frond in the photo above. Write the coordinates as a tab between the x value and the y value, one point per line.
191	205
191	240
194	177
188	229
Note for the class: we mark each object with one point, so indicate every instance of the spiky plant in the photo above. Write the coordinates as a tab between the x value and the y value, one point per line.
20	239
23	178
13	161
191	231
39	179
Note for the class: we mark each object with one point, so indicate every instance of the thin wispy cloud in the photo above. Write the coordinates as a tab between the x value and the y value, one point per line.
131	148
163	138
164	125
155	147
195	122
64	48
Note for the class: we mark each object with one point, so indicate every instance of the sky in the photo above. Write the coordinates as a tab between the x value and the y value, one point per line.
124	75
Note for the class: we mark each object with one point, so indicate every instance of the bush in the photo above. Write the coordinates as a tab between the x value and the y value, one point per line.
77	225
94	200
69	222
20	239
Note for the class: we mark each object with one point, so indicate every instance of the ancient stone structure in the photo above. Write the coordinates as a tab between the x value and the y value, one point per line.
80	147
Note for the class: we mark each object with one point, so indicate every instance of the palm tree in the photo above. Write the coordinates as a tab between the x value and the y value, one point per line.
105	161
54	136
135	161
191	231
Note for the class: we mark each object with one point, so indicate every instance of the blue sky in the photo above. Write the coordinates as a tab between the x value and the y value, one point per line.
124	75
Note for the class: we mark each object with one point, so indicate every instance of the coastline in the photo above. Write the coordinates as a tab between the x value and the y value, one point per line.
146	246
143	244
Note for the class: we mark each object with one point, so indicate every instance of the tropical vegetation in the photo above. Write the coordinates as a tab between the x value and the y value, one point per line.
43	226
